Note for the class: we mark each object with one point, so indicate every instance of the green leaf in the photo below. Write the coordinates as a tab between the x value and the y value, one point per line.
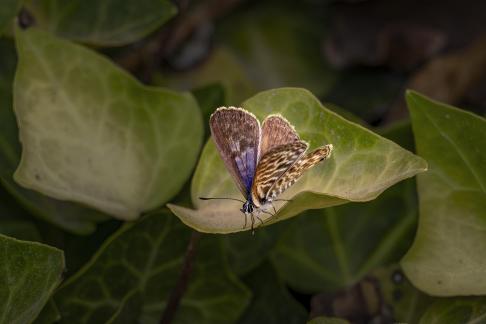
327	320
29	273
447	256
362	165
271	302
246	252
406	302
8	10
104	23
234	78
333	248
49	314
456	311
136	269
70	216
279	46
93	134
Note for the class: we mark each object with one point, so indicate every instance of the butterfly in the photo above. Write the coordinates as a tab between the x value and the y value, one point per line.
264	160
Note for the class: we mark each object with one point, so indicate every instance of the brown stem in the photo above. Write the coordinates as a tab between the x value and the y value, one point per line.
181	285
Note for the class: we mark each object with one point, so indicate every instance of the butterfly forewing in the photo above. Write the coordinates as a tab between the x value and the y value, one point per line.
236	133
272	166
296	170
276	131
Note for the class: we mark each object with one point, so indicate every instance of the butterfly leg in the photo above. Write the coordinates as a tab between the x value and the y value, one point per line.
245	220
274	210
252	224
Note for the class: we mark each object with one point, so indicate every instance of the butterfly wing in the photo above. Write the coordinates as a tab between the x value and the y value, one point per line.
236	133
272	166
293	173
276	131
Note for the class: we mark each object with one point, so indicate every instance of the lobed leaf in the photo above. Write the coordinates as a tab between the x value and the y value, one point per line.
67	215
362	165
470	310
448	256
131	276
29	273
104	23
91	133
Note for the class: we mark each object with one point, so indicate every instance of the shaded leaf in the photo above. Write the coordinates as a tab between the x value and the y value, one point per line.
135	270
362	165
271	302
406	302
279	46
49	314
246	252
221	67
70	216
29	272
8	10
449	252
105	23
327	320
93	134
456	311
333	248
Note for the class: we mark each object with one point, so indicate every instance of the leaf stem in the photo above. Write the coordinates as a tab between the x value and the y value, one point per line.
181	285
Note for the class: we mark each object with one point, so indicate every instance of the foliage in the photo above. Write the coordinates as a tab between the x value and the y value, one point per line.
104	109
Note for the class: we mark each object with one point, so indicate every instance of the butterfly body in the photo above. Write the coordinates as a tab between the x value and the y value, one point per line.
263	160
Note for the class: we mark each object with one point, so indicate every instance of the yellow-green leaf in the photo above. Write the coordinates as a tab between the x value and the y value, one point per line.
363	164
91	133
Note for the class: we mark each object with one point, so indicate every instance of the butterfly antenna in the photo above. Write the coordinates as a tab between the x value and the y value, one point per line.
282	200
211	198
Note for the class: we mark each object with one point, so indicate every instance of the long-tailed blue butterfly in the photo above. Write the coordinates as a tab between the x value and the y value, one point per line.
264	161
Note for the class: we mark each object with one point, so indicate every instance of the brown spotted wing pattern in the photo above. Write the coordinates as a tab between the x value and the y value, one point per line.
236	133
272	166
296	170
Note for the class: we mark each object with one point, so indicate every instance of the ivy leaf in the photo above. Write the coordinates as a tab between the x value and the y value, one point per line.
136	269
103	23
447	256
333	248
327	320
458	310
362	165
69	216
271	302
8	10
329	249
406	302
91	133
279	46
29	273
49	314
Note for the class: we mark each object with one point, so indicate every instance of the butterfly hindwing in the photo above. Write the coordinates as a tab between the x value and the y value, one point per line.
272	166
297	169
236	133
276	131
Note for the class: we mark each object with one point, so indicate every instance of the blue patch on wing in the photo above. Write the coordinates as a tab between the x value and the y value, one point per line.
246	164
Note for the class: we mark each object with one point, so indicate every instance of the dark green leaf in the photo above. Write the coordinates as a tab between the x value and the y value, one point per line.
105	23
8	10
29	272
456	311
448	255
279	46
136	269
327	320
332	248
271	303
91	133
49	314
